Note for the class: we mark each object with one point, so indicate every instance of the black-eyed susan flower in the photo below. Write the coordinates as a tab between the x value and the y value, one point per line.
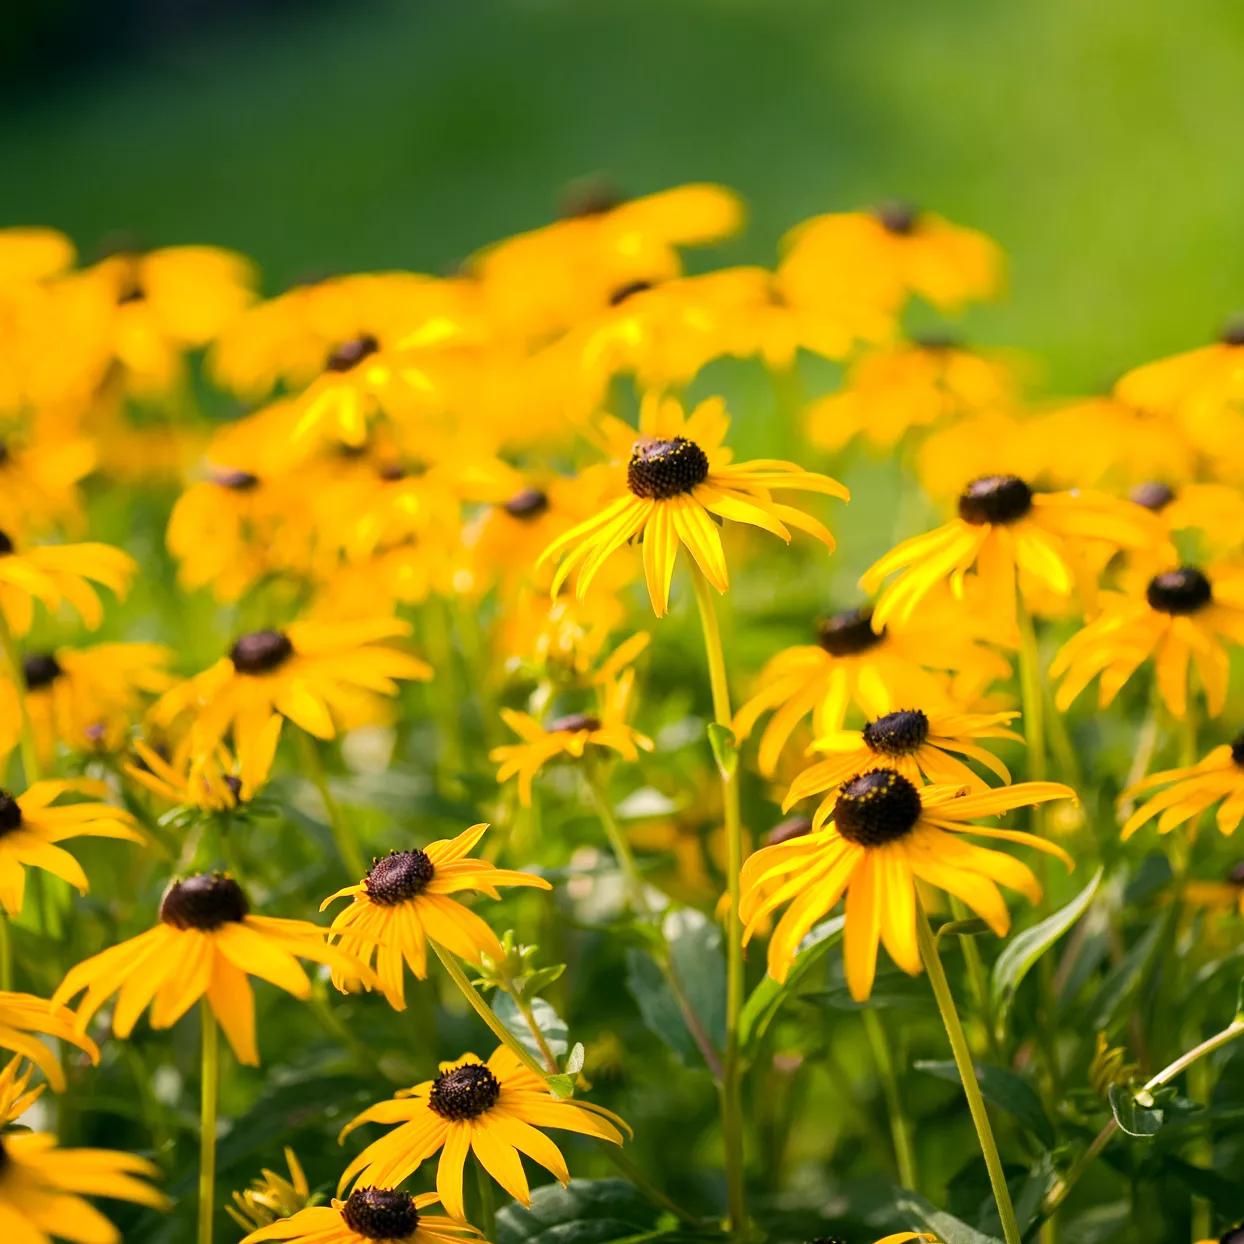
678	479
886	833
30	828
570	736
22	1015
933	657
492	1109
206	945
1012	539
1178	618
39	476
369	1214
311	673
1216	779
912	741
1214	511
272	1197
406	898
57	574
1216	896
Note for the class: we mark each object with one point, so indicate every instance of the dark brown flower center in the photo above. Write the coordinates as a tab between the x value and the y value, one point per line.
205	901
592	197
897	217
1153	495
235	481
1236	1234
527	504
1179	592
573	723
897	734
381	1214
995	499
464	1093
849	633
876	808
659	470
261	652
1235	874
399	876
1233	335
6	543
10	813
792	827
629	290
234	785
348	355
1237	750
132	291
41	669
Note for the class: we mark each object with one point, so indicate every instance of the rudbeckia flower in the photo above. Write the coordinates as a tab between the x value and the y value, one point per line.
492	1109
206	945
22	1015
913	742
855	662
39	478
568	736
30	828
57	573
310	672
369	1214
887	832
1181	615
1218	778
1004	530
406	899
678	479
1214	511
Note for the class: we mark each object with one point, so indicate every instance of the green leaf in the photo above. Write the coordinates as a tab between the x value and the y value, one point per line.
551	1025
541	979
586	1211
1132	1117
948	1229
725	749
561	1086
574	1064
1026	948
1226	1195
962	928
1099	1224
1124	981
1005	1089
1239	1003
767	998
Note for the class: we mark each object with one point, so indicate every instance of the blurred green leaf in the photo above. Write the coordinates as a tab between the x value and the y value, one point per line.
1125	979
698	959
586	1211
1131	1116
725	749
1225	1194
551	1025
949	1230
1005	1089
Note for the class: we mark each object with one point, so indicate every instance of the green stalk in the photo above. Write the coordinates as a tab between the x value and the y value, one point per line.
900	1129
487	1205
30	754
978	979
6	954
731	1096
347	847
210	1088
529	1018
967	1073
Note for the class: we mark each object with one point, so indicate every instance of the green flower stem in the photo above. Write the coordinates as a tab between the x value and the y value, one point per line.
967	1073
30	754
529	1018
210	1088
1188	734
978	978
731	1095
900	1129
6	954
347	847
487	1203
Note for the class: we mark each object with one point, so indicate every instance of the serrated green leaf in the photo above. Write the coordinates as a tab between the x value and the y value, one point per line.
586	1211
725	749
1132	1117
1005	1089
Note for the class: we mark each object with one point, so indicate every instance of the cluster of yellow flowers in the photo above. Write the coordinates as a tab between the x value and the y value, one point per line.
425	448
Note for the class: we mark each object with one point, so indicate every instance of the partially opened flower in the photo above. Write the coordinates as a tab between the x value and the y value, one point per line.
886	834
23	1015
1192	790
273	1197
206	945
406	898
492	1109
679	479
369	1214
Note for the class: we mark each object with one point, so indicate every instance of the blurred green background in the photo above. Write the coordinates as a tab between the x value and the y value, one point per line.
1095	138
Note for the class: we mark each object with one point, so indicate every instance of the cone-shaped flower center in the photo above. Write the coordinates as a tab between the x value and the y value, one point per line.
261	652
995	499
1153	495
895	216
399	876
659	470
381	1214
236	481
529	503
876	808
1237	750
573	722
792	827
41	669
205	901
348	355
849	633
897	734
10	813
1179	592
464	1093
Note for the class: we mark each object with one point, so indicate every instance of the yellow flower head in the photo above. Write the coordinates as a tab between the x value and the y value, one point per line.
39	478
886	833
1217	779
369	1214
32	253
679	477
1214	511
22	1015
406	898
272	1197
492	1109
206	944
55	574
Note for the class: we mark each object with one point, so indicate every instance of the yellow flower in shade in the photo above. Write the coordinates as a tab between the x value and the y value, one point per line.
311	673
679	478
39	478
1004	529
55	574
895	388
406	898
22	1015
568	736
492	1109
886	832
1217	896
1179	616
206	945
30	828
854	662
1217	779
369	1214
913	742
272	1197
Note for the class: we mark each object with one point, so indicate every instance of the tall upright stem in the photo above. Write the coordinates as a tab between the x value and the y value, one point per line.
347	847
30	753
900	1132
731	1089
6	954
967	1073
210	1089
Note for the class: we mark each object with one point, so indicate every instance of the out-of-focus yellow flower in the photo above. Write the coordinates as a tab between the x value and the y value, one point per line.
22	1016
1190	790
272	1197
564	641
1214	511
31	253
38	483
